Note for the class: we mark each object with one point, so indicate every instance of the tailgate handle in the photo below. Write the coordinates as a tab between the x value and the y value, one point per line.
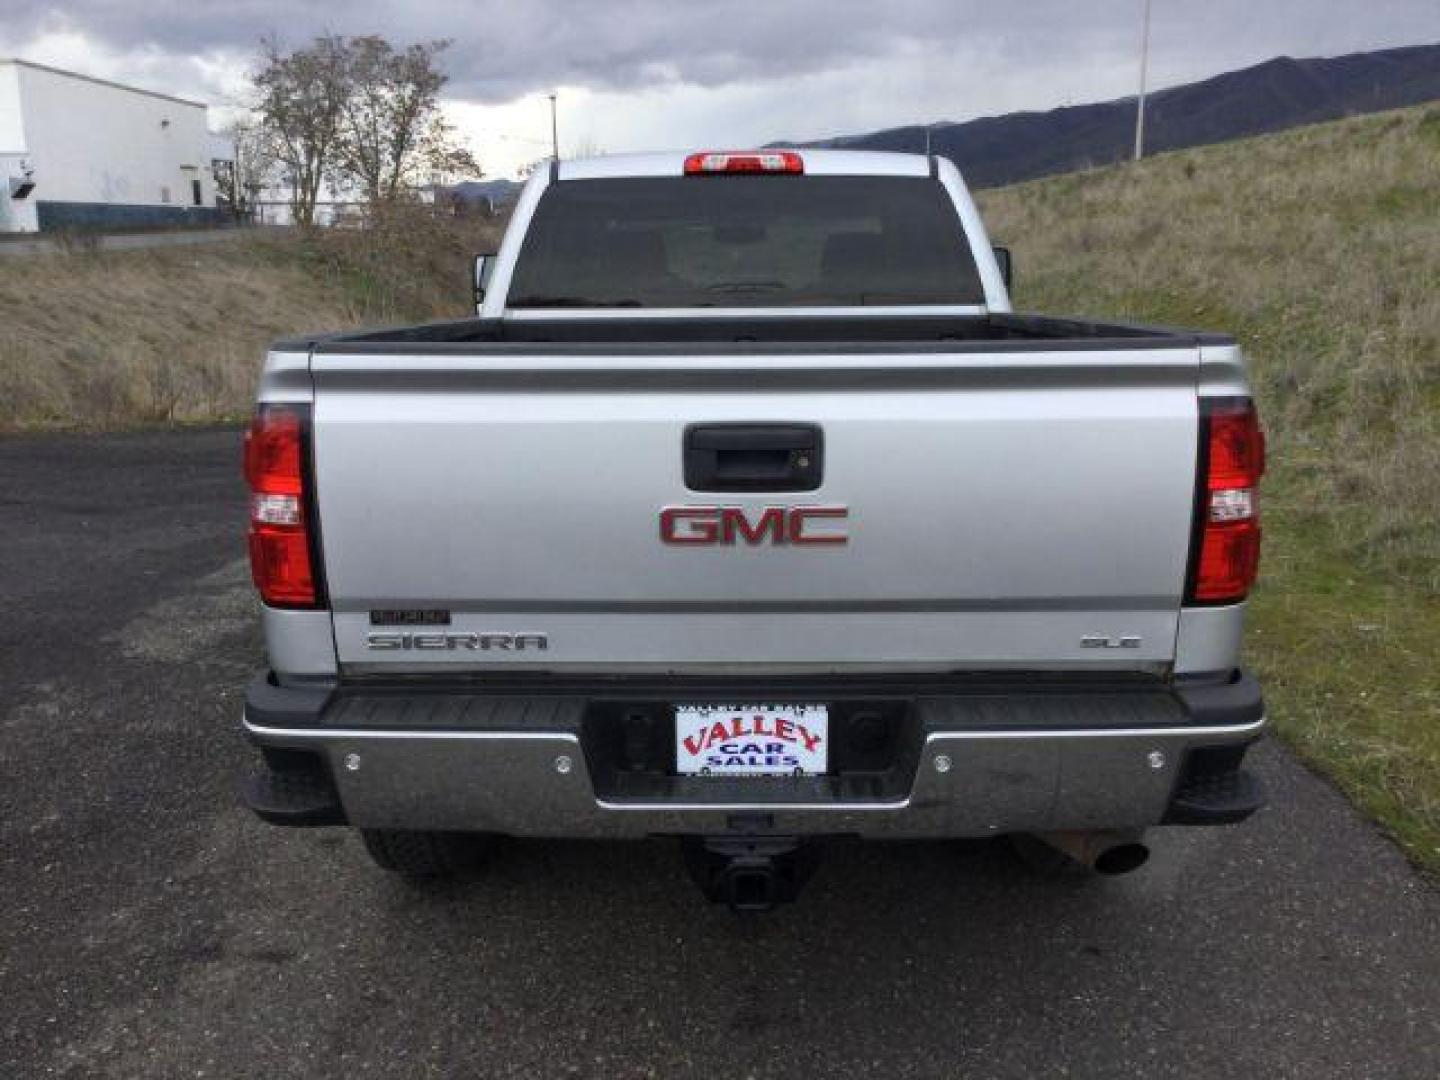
752	457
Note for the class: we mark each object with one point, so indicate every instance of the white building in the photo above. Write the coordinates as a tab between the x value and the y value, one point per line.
77	152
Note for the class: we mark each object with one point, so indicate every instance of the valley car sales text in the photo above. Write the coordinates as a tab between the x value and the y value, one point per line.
737	743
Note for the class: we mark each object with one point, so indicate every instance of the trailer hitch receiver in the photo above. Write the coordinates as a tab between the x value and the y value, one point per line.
751	873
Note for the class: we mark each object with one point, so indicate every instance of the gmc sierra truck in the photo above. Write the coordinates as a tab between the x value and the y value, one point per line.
746	513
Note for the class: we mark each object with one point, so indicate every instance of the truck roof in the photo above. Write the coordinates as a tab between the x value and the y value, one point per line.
817	163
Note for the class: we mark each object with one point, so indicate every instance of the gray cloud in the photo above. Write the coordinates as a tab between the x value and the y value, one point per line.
505	49
647	74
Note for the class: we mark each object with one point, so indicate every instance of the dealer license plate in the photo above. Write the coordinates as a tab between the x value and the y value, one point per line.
752	740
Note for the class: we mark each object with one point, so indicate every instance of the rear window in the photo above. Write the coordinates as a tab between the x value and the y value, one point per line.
745	241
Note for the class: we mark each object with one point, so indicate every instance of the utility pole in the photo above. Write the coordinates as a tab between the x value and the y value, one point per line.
237	194
1144	72
554	128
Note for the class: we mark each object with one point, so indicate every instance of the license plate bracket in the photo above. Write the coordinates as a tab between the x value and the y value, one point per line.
752	740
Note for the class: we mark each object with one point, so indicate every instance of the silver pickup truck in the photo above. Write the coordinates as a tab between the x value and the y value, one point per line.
745	512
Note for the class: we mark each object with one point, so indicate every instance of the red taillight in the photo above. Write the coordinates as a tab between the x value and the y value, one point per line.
1226	552
746	161
281	559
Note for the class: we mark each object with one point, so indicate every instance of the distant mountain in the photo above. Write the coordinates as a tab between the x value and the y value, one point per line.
1278	94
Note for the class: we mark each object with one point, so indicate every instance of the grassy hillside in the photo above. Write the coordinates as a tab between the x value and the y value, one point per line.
1320	249
112	338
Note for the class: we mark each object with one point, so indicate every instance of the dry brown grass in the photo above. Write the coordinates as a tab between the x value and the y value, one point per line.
1320	249
104	339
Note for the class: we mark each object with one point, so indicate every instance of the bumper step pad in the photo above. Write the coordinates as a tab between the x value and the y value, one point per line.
294	798
1220	799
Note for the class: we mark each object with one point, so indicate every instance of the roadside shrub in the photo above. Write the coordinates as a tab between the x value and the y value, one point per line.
403	263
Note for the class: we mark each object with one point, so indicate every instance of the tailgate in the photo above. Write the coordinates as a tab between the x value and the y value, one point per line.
503	509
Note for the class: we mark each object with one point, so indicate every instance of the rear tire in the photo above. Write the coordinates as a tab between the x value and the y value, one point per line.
426	856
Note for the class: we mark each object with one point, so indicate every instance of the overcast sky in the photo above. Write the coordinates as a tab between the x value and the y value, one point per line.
651	74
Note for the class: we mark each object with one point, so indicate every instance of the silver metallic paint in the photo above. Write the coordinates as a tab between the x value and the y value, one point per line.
285	378
1027	479
299	643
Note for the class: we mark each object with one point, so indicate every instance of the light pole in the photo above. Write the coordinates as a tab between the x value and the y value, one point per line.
1144	71
554	128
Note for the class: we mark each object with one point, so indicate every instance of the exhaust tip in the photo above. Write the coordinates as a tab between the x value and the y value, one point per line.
1108	852
1122	858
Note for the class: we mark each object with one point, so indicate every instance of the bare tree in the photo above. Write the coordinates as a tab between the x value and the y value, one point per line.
443	156
251	167
302	97
359	116
393	137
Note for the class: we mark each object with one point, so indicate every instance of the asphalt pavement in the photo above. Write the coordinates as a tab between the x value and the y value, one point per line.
149	926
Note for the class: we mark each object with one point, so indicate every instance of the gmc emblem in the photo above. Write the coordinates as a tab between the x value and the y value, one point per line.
777	525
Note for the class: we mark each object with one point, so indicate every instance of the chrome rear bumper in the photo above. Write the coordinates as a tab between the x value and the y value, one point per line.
1038	777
